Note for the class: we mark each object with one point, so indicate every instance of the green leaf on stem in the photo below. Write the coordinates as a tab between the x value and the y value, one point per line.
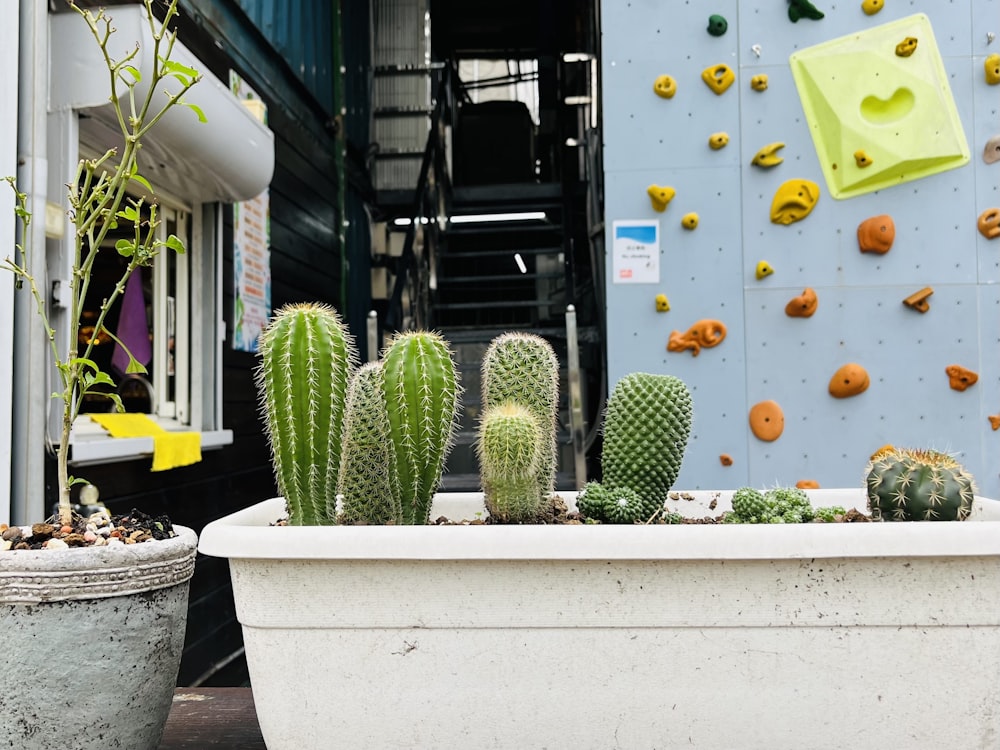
125	248
175	244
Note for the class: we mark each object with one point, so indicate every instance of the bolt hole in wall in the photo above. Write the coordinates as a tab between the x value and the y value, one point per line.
854	155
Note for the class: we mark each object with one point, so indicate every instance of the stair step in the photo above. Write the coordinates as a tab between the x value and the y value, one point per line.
492	278
453	254
516	303
502	227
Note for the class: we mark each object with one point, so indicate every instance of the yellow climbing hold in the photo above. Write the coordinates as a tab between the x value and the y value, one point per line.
665	86
718	77
690	221
767	157
862	159
718	140
759	82
992	68
662	303
660	196
794	201
871	7
906	47
764	269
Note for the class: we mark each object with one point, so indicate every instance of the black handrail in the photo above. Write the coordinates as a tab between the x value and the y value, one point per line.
406	264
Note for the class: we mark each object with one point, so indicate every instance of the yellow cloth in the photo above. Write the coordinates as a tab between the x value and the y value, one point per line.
170	449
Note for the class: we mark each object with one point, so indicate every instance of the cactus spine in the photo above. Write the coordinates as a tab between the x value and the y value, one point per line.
646	429
510	449
523	368
368	485
421	395
306	359
918	485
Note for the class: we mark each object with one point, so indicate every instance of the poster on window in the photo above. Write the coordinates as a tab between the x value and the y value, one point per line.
251	248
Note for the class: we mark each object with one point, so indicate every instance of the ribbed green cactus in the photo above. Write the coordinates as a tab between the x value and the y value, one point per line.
918	485
616	504
510	449
523	368
306	359
421	393
368	485
646	429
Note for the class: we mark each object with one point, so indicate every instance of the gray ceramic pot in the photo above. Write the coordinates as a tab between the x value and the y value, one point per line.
91	641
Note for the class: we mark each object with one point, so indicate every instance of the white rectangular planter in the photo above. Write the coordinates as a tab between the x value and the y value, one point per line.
703	636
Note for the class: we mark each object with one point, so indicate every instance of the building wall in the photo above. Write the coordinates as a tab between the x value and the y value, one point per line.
306	264
710	272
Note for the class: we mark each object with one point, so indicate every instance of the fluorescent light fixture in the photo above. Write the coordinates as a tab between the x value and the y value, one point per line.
484	218
405	222
520	262
572	57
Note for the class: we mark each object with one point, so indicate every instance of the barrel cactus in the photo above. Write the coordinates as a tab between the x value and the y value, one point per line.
598	502
421	396
510	448
368	485
307	356
918	485
523	368
646	429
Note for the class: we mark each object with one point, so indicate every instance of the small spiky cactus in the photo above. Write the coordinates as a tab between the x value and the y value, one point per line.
615	504
421	396
368	485
646	429
918	485
523	368
510	449
306	359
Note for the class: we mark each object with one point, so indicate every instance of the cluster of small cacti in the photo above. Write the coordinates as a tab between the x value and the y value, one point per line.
777	505
516	445
646	427
918	485
376	437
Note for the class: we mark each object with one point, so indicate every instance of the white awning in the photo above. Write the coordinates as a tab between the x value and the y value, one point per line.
229	158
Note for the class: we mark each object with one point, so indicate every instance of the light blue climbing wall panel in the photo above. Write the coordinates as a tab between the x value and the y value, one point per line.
710	272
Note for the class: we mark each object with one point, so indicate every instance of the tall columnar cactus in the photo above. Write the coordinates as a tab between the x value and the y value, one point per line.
523	368
306	359
646	429
421	392
510	448
368	484
918	485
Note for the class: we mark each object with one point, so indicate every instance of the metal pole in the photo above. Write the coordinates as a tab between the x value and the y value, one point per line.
372	325
576	427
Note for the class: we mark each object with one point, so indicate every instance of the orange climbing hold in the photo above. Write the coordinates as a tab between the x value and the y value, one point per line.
802	306
994	421
876	235
849	380
807	484
705	333
989	223
767	420
918	300
960	378
725	459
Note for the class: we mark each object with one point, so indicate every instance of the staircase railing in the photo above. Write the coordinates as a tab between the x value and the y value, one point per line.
431	178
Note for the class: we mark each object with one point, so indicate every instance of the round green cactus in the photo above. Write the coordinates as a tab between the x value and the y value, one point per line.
646	429
750	506
510	448
918	485
421	397
307	356
523	368
368	486
615	504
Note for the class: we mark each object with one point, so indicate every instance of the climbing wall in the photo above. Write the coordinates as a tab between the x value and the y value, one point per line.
909	137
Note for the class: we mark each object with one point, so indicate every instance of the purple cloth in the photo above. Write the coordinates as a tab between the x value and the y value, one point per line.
132	328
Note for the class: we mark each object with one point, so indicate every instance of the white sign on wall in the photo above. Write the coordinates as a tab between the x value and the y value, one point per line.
636	252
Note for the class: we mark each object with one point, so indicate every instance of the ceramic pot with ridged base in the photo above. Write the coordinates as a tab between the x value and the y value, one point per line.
92	640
